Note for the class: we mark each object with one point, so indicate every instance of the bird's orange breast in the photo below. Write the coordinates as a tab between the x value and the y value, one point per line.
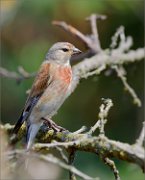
65	74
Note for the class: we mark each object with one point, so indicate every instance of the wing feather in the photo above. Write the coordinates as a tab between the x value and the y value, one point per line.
39	86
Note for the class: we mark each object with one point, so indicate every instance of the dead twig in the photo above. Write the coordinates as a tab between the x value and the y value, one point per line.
121	75
104	109
19	77
111	164
95	37
140	140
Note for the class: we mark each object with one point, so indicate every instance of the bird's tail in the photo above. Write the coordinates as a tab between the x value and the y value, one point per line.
32	130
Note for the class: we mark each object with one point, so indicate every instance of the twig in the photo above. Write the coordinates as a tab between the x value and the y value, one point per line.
73	31
56	144
60	150
96	71
119	33
120	73
140	140
82	129
71	162
125	42
95	37
104	109
13	75
111	164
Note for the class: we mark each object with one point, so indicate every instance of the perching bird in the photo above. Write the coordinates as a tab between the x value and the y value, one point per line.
49	90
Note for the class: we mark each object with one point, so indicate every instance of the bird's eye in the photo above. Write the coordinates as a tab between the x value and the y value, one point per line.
65	49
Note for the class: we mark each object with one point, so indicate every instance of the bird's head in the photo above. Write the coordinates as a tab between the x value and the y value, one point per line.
61	52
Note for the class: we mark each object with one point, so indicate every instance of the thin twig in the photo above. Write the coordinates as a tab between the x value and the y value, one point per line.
95	36
140	140
131	91
73	31
104	109
125	42
56	144
19	77
111	164
60	150
71	162
82	129
95	72
119	33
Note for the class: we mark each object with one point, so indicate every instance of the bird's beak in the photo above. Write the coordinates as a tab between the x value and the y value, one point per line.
76	51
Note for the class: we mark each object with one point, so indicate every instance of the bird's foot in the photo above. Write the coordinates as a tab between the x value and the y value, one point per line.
53	125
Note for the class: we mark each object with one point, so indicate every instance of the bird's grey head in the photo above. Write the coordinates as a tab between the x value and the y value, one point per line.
61	52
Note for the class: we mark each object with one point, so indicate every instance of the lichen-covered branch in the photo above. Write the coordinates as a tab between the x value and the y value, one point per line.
85	142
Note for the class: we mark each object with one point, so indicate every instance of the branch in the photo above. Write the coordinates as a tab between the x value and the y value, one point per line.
92	42
84	142
19	77
104	59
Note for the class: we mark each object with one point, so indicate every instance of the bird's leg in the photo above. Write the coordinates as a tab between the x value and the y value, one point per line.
53	125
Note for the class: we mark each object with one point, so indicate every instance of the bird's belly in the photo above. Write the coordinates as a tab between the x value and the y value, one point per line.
50	108
50	102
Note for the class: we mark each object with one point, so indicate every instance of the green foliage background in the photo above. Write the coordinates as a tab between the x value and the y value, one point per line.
27	33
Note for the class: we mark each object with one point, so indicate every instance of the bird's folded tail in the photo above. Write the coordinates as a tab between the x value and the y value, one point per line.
32	130
25	113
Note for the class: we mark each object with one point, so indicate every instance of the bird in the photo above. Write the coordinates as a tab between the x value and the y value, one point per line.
52	85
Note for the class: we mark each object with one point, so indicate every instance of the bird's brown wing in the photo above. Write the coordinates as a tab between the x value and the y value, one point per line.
39	86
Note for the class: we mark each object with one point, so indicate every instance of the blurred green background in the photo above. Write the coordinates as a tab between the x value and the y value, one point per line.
26	35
